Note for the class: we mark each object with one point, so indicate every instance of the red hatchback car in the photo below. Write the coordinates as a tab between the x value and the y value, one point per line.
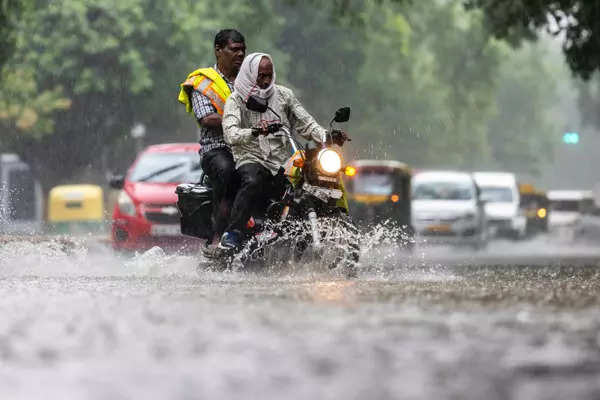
146	214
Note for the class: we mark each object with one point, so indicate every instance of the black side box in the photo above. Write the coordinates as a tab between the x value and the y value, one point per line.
195	207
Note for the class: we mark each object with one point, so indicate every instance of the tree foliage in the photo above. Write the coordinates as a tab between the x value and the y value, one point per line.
577	22
589	101
24	108
11	12
525	126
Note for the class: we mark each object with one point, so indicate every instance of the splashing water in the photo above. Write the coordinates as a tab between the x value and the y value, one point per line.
384	254
382	247
82	256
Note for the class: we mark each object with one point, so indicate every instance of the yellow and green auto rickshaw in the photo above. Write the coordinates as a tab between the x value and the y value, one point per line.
378	191
535	205
76	209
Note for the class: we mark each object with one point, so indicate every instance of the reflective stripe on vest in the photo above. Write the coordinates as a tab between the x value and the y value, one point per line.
206	87
208	82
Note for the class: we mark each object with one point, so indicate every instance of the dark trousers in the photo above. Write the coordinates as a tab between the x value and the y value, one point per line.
219	166
253	195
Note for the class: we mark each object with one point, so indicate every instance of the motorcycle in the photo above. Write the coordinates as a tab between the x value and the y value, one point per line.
307	215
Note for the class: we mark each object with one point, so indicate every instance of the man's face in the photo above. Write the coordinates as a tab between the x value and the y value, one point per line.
232	55
265	73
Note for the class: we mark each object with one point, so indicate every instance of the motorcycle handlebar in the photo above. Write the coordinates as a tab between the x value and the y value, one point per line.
339	137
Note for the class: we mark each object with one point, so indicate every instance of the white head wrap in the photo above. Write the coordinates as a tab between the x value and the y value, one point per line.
245	82
245	85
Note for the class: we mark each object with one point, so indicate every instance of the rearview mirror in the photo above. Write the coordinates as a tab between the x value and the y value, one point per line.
342	114
257	104
117	181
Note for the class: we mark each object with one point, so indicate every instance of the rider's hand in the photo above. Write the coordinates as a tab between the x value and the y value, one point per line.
338	137
266	130
259	131
272	128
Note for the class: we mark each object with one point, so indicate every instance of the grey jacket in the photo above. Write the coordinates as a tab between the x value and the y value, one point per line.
238	122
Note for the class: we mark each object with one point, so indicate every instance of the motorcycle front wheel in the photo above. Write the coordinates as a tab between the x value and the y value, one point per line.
340	243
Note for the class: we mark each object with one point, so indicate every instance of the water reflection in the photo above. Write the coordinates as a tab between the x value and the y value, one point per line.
339	292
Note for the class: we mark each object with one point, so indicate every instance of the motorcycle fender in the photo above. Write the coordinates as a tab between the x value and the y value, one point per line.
343	202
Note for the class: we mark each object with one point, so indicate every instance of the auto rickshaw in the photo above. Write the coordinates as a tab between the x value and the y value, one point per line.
76	209
535	206
378	191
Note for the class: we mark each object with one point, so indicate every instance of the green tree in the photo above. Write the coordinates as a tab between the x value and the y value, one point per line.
24	109
11	13
522	131
576	21
589	101
428	85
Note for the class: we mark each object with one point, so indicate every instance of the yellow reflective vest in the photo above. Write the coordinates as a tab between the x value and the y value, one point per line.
208	82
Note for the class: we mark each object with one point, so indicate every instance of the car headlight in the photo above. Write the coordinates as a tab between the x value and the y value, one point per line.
542	213
125	203
330	161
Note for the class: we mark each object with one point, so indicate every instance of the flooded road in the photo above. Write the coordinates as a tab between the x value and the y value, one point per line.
80	322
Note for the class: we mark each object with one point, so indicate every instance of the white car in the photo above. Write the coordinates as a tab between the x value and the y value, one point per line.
572	213
500	192
446	208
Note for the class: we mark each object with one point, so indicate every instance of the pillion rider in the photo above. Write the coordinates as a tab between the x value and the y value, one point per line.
258	153
204	93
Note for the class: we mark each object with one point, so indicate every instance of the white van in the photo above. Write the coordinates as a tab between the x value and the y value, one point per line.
573	213
446	208
500	192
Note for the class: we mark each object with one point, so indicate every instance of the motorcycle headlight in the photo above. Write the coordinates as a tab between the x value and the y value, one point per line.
125	203
330	161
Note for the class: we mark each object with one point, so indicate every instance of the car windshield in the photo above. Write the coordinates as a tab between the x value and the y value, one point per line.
373	183
442	191
496	194
565	205
167	168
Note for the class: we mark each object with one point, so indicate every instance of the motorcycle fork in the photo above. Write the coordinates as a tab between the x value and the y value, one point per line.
284	213
314	228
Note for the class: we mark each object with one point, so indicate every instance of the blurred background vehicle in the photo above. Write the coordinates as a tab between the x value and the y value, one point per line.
21	202
76	209
446	207
500	193
379	190
590	227
566	207
573	214
145	214
535	205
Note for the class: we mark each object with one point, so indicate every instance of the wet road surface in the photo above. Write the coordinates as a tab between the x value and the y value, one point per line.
80	322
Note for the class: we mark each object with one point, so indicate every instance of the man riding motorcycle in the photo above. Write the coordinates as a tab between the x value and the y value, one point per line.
204	92
258	151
